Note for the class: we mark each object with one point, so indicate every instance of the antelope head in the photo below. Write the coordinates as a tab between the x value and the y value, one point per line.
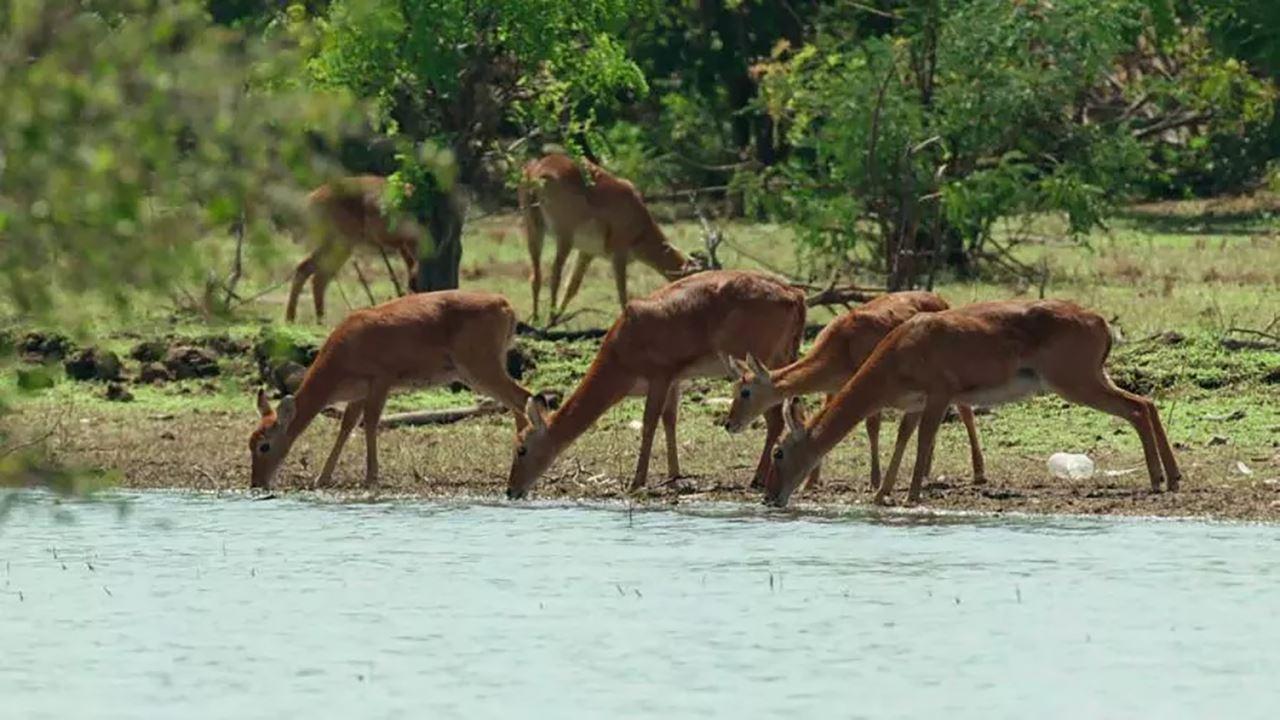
534	451
753	392
269	443
793	457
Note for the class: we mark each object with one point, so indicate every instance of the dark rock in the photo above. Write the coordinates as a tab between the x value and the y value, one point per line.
1273	376
187	362
519	362
286	376
223	344
551	398
1171	337
44	347
118	393
168	435
1218	440
149	351
93	364
154	372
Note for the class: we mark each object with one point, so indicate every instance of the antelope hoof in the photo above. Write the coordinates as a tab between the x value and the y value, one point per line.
1173	483
980	480
882	499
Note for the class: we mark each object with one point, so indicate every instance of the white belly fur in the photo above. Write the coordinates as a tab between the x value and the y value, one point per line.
1024	384
711	367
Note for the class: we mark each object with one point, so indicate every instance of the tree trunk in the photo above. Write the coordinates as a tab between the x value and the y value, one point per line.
439	263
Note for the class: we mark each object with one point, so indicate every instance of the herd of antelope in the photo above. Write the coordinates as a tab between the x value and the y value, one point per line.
905	350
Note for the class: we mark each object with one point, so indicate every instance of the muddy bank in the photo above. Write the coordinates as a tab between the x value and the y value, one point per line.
207	450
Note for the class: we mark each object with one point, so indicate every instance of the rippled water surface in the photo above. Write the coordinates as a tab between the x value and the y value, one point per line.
200	607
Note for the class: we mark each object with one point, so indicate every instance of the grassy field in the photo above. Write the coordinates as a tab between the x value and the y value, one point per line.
1177	280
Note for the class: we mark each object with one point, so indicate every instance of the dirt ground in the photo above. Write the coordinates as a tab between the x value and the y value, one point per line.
206	449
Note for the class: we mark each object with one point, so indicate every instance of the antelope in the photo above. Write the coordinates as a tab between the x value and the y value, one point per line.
979	355
600	216
424	339
679	331
346	213
840	349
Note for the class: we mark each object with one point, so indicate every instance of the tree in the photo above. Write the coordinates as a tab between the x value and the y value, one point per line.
134	133
458	75
913	145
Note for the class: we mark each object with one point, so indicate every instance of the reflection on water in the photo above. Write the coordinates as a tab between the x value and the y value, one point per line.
191	606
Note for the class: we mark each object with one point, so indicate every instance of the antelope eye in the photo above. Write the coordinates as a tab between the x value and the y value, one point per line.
745	393
777	454
264	448
522	451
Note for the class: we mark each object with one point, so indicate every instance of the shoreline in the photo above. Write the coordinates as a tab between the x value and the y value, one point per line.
718	508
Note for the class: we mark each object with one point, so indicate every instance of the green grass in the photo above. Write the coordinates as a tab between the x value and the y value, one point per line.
1150	276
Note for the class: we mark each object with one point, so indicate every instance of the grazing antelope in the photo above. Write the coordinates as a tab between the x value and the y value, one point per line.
680	331
424	339
840	349
602	217
344	214
979	355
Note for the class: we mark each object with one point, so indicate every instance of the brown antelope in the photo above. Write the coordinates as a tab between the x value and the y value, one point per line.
345	214
601	217
979	355
840	349
423	339
679	331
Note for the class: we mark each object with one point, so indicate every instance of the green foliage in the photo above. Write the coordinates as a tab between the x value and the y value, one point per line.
461	72
913	144
132	131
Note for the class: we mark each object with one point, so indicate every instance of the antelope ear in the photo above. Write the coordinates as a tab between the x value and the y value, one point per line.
285	412
264	403
793	415
535	411
730	367
757	367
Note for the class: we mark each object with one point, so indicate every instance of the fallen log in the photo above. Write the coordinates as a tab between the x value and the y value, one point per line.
445	416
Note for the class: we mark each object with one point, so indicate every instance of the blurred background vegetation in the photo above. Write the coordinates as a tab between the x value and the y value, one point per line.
903	141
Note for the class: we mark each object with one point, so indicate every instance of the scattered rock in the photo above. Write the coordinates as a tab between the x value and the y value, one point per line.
154	372
273	348
286	376
187	362
118	393
1273	376
167	435
519	362
44	347
551	398
149	351
223	344
1232	416
1171	337
1218	440
93	364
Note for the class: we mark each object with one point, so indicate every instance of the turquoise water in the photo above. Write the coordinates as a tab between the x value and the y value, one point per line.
204	607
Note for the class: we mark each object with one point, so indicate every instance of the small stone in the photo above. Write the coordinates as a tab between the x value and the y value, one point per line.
44	347
93	364
1218	440
118	393
154	372
167	435
287	376
186	362
148	351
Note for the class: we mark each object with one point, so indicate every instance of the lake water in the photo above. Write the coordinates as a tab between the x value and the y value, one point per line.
217	607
